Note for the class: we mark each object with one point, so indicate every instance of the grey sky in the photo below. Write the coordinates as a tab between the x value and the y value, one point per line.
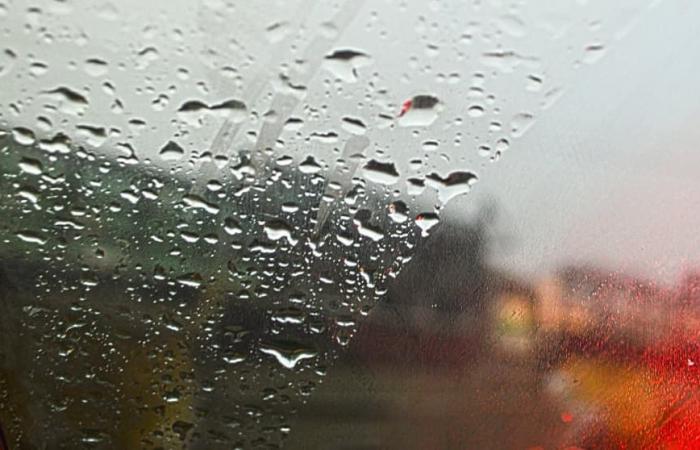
609	175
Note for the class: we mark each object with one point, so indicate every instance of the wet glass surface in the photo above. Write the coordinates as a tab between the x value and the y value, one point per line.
376	225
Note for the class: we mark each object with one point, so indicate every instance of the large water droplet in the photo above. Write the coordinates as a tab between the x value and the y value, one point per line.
193	279
287	353
420	111
354	125
345	62
381	172
454	184
197	202
31	237
426	221
279	229
31	166
68	100
23	136
95	67
171	151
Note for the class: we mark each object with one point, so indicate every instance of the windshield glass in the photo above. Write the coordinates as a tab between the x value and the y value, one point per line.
349	224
